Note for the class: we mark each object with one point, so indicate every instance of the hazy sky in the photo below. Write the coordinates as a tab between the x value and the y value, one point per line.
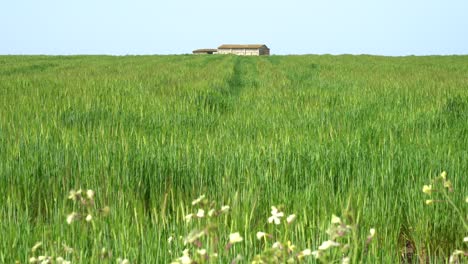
385	27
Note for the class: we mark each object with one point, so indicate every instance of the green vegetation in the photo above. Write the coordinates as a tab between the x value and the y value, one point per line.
315	135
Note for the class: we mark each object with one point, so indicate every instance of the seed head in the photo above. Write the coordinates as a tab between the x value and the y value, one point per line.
106	210
291	247
448	185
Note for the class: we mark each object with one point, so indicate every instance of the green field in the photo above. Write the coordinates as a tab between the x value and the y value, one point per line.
151	133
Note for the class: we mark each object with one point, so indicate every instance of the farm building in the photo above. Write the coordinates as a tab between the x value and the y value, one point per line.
205	51
248	50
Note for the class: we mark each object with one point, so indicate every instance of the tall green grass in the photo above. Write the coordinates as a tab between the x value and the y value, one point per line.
150	133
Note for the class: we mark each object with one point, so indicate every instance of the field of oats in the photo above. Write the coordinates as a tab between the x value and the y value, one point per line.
312	135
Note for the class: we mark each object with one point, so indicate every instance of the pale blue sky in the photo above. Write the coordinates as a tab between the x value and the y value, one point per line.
396	27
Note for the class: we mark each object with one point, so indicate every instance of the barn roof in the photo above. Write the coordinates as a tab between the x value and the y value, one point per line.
242	46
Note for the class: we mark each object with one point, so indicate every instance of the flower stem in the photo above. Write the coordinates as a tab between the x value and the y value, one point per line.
465	225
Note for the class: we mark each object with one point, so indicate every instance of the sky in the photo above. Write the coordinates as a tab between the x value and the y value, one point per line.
121	27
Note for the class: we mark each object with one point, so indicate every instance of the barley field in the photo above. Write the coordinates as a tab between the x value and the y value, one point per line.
312	134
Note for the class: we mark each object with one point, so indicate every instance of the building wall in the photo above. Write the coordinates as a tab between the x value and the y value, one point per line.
264	51
242	52
204	52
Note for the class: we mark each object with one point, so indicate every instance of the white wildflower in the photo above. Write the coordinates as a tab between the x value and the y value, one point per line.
225	208
185	259
452	259
33	260
42	258
277	245
261	235
316	253
275	216
304	253
291	218
122	261
67	249
60	260
327	244
193	236
335	219
234	238
200	213
89	218
291	246
188	217
448	185
372	232
211	212
444	175
201	251
36	246
465	239
198	200
427	189
72	195
72	217
345	260
90	194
